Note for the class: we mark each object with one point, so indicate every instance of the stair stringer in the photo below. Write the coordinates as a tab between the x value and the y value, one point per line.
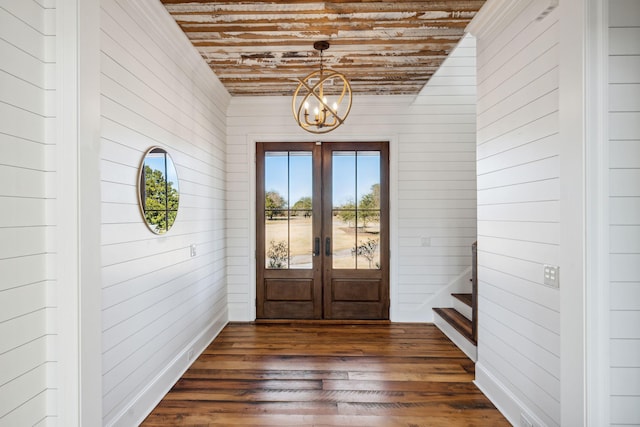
458	285
456	337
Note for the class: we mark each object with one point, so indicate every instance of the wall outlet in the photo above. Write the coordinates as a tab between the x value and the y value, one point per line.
425	241
552	275
192	250
190	355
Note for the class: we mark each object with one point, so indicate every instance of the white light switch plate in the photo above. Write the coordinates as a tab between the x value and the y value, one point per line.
552	275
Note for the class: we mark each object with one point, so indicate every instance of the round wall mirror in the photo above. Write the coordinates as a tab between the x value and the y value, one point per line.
158	193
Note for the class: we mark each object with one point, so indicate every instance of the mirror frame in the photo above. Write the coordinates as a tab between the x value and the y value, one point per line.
141	189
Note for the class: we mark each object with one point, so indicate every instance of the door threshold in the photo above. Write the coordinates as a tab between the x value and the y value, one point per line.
325	321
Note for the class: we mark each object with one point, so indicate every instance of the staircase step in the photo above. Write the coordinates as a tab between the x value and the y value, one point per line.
465	298
457	321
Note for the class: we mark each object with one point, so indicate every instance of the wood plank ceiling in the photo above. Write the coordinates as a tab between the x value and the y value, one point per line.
383	47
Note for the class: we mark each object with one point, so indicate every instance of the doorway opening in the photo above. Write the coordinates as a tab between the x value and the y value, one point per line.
322	230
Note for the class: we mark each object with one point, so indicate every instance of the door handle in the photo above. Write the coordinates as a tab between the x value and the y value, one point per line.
316	247
327	246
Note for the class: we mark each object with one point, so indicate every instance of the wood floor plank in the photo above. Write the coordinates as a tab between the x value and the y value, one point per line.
328	374
261	374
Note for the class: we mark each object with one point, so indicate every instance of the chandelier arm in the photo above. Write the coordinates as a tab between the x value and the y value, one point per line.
312	90
306	97
306	116
297	113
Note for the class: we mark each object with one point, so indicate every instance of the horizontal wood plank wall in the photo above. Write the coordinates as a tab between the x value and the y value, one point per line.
27	144
437	186
624	149
433	181
518	213
156	91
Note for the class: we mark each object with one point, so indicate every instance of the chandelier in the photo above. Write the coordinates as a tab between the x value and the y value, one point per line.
326	91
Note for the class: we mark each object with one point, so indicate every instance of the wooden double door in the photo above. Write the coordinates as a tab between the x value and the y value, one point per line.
322	230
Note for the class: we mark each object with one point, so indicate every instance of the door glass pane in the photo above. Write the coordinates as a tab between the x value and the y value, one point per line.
288	205
368	179
356	209
276	242
367	253
343	238
344	179
276	177
344	196
300	237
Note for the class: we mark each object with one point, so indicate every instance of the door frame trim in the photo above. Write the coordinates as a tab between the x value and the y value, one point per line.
252	139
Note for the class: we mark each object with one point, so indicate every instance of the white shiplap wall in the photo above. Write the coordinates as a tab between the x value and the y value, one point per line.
158	302
432	162
518	214
26	147
624	149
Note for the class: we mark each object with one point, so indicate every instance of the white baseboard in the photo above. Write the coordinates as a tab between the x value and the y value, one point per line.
507	403
144	402
461	342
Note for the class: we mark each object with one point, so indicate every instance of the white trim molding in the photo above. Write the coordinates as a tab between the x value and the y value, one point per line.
78	212
251	141
597	215
573	134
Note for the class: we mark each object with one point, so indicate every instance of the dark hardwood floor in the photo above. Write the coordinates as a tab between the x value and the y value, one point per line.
328	374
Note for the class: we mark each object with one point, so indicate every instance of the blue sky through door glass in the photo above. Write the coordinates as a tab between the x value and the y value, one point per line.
276	173
292	181
277	178
344	175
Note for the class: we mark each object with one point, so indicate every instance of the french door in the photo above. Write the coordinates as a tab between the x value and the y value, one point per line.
322	230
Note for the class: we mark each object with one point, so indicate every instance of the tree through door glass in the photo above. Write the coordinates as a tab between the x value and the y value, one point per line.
288	209
356	209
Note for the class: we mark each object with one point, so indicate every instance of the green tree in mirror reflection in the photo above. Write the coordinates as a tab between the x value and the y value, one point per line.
274	204
366	250
278	254
161	200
